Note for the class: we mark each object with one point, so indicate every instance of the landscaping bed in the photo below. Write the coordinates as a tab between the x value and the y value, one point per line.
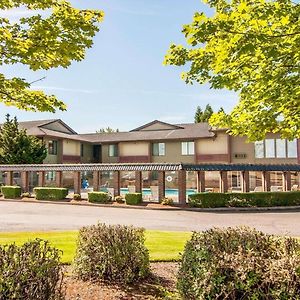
160	285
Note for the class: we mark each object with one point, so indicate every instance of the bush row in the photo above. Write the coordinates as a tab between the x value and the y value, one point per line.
239	263
258	199
50	193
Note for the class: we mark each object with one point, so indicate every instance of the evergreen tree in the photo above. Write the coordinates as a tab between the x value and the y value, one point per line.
207	113
107	130
221	110
198	115
16	147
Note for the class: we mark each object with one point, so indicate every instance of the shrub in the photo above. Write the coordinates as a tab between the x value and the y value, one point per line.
239	263
99	197
133	198
167	201
119	199
111	252
77	197
31	271
25	195
11	192
50	193
260	199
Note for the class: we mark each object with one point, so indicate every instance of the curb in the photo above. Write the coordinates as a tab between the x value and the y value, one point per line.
170	208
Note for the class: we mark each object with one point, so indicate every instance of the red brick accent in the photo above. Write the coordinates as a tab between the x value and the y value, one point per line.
25	181
182	186
77	182
58	178
201	181
41	175
71	159
223	182
286	181
138	181
96	180
9	178
266	181
212	157
116	183
161	185
245	181
134	159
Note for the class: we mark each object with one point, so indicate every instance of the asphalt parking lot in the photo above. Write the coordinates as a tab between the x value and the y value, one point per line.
23	216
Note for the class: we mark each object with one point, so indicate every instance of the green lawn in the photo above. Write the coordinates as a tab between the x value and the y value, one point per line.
162	245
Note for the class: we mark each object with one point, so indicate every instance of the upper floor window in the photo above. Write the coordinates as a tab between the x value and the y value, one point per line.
187	148
113	150
158	149
52	147
81	150
276	148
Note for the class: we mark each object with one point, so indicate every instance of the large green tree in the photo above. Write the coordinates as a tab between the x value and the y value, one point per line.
16	147
252	47
46	40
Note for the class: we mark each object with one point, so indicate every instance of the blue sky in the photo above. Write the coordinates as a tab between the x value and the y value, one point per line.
122	83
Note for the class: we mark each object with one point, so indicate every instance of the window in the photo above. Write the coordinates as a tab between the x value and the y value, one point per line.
52	147
158	149
81	150
259	149
292	148
187	148
280	148
113	150
270	148
284	148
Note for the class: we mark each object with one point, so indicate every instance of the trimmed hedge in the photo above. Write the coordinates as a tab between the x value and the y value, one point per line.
112	253
50	193
31	271
11	192
259	199
99	197
133	198
239	263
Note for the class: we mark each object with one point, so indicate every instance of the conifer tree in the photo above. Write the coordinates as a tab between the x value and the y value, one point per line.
198	115
16	147
207	113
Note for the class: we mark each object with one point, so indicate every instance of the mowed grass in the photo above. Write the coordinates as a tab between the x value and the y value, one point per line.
162	245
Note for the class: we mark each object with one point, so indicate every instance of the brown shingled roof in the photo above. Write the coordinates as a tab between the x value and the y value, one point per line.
187	132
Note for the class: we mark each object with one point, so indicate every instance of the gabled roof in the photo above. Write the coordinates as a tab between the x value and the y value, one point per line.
183	132
161	126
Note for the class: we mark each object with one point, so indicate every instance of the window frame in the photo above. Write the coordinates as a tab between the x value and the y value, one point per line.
188	148
158	149
114	152
52	147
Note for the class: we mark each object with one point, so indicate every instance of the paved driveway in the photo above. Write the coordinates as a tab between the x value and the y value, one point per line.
39	217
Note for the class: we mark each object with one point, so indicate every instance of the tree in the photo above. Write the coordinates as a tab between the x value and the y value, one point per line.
198	115
107	130
252	47
203	116
51	40
16	147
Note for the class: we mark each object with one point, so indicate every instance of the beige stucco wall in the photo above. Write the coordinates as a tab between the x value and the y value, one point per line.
173	154
240	145
217	145
71	147
104	155
134	149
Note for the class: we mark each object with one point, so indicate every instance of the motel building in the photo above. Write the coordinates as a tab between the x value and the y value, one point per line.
158	159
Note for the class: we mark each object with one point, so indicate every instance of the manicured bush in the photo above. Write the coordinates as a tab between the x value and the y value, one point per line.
259	199
133	198
111	252
119	199
11	192
50	193
167	201
77	197
239	263
31	271
99	197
